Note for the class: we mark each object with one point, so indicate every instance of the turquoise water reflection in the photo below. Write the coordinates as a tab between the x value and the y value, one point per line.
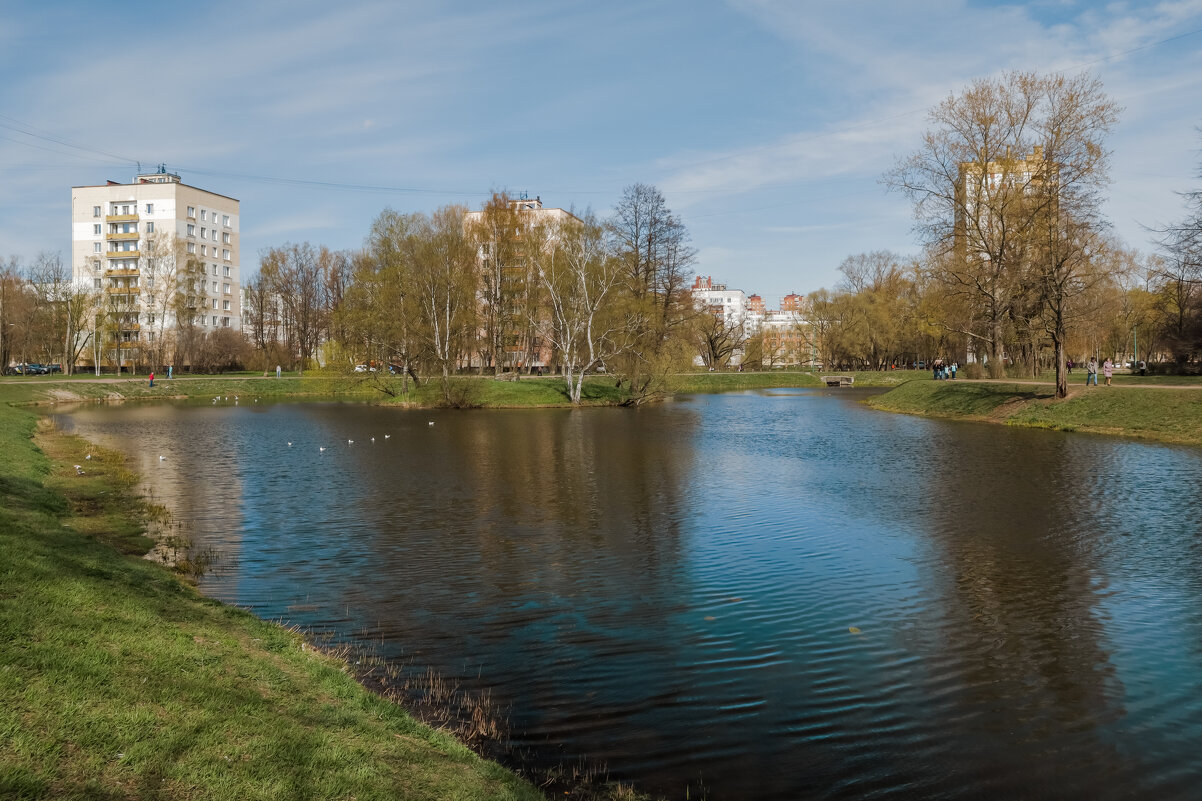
672	590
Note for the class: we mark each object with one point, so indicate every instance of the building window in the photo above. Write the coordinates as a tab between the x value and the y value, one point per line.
150	228
150	208
214	292
214	321
225	220
225	288
96	265
203	235
225	254
191	229
96	229
225	237
191	247
227	268
95	211
204	250
95	247
96	283
192	212
203	215
214	273
225	321
225	305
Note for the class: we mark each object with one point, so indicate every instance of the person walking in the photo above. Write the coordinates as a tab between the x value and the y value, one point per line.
277	371
152	378
170	370
1091	371
954	368
1108	370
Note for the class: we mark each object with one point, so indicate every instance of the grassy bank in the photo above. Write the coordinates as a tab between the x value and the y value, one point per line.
1156	413
117	680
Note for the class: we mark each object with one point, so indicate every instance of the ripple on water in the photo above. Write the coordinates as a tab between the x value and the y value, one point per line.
771	596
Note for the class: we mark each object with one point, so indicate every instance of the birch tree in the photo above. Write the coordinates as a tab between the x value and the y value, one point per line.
579	276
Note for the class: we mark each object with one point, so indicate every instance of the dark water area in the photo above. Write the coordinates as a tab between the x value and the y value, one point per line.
762	595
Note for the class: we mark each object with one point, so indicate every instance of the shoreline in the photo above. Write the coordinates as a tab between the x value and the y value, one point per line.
1167	414
91	506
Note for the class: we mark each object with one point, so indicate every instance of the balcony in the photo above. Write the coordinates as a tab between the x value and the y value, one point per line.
121	273
129	326
123	254
115	236
122	290
116	218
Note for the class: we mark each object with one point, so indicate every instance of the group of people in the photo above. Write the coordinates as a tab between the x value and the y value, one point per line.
942	371
1091	371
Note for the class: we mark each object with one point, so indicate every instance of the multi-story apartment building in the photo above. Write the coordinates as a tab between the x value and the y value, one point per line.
522	347
782	333
156	249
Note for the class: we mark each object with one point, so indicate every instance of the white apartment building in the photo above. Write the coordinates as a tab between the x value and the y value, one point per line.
731	304
135	243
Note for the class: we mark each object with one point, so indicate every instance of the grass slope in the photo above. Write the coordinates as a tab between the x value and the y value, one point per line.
1156	413
117	680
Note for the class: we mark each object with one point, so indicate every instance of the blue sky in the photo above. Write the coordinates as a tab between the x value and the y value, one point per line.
766	123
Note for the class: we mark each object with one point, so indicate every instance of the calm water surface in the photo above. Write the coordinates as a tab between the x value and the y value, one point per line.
772	595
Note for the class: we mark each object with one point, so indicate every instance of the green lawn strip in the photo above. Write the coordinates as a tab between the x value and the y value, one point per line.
117	680
1166	415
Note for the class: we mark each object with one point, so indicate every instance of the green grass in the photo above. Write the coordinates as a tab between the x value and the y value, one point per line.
1162	414
117	680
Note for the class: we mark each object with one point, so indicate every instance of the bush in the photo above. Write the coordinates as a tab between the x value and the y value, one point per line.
973	370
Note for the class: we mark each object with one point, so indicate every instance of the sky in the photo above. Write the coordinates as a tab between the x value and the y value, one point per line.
766	124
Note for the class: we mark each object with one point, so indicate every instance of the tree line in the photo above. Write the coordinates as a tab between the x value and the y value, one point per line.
505	290
1019	266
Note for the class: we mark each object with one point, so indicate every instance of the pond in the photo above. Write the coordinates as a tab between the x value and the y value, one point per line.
772	595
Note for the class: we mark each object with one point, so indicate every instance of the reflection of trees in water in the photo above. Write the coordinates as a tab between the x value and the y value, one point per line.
1010	515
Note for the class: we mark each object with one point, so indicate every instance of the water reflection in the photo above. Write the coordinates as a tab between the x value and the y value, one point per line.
766	595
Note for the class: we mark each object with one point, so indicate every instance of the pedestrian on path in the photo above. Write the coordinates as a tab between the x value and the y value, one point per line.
152	378
1091	371
1108	370
170	370
277	371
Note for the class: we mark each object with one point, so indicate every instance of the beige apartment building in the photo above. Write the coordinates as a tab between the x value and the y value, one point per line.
151	248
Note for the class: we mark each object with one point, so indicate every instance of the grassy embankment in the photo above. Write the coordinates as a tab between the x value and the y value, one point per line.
117	680
1161	413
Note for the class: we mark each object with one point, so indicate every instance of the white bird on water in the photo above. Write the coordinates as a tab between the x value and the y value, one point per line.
289	444
322	448
431	422
350	442
89	456
386	436
162	458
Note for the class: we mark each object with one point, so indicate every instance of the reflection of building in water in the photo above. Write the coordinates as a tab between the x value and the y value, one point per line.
1017	580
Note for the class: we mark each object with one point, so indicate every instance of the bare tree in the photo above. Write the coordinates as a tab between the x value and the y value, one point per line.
652	246
578	276
1075	118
